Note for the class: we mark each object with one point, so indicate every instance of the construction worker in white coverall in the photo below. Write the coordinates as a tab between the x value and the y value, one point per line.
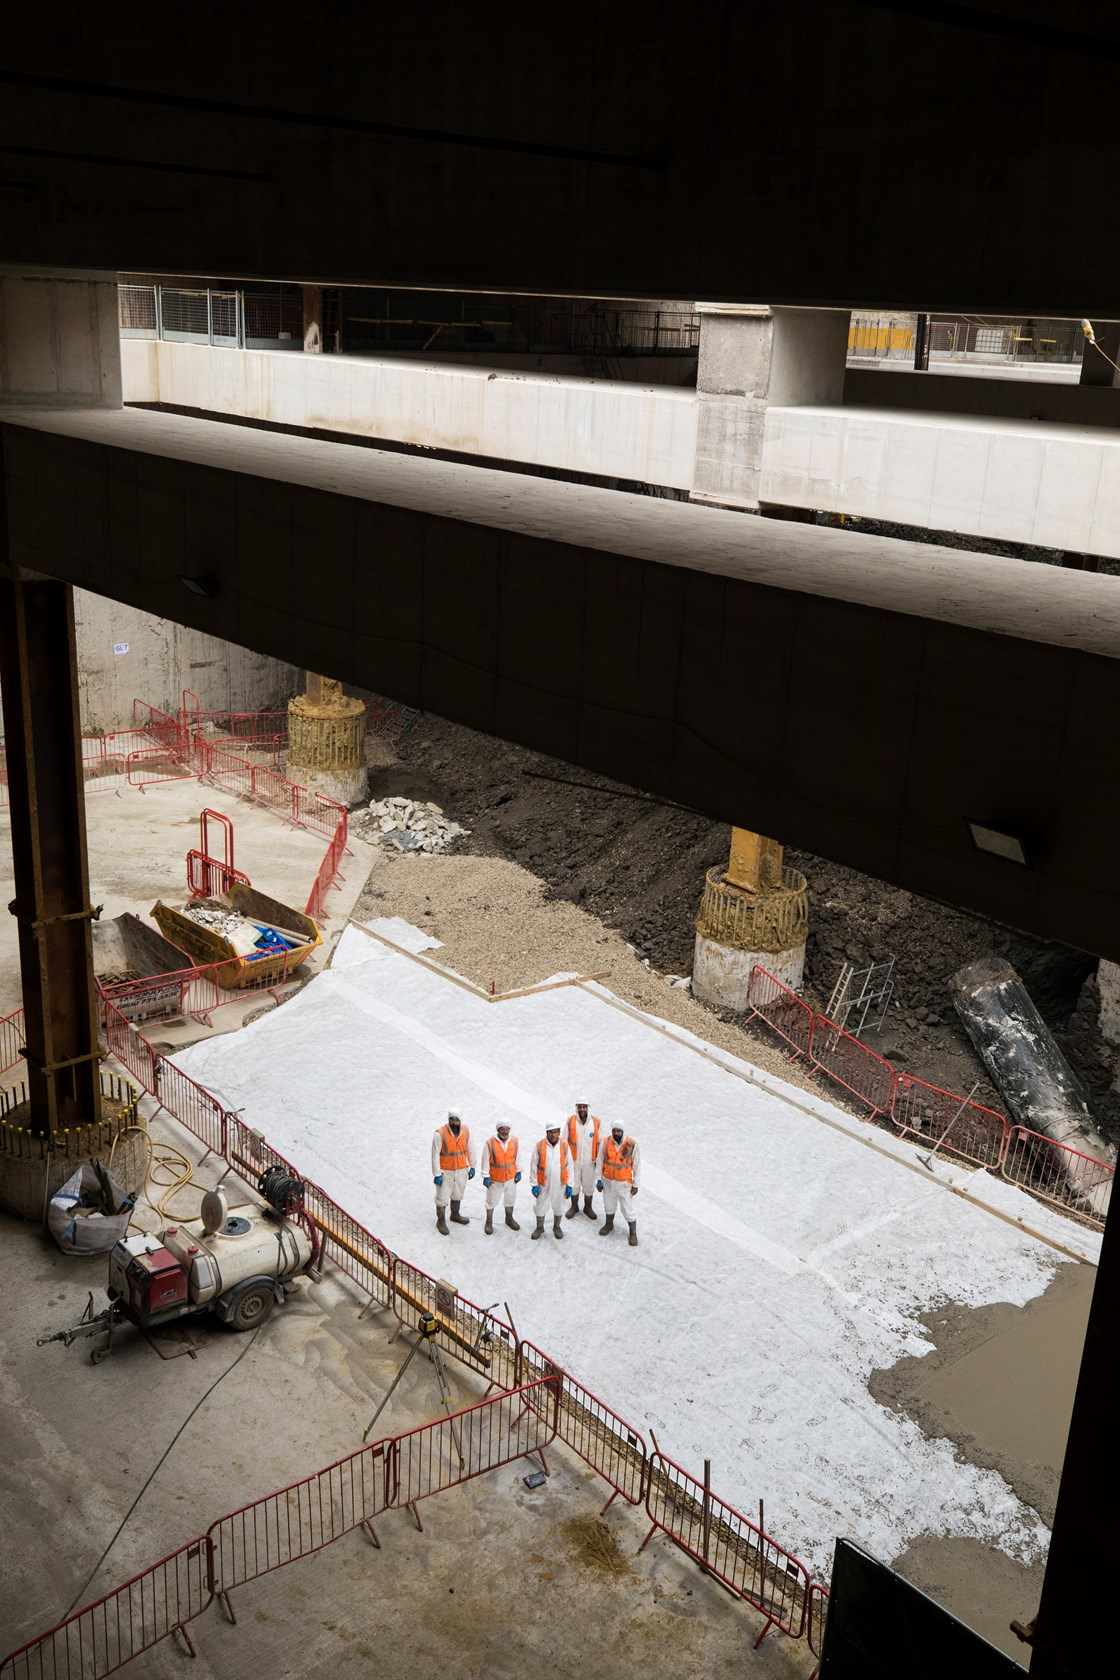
501	1174
618	1166
550	1179
582	1137
453	1163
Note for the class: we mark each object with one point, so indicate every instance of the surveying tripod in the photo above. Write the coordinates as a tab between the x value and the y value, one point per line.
428	1329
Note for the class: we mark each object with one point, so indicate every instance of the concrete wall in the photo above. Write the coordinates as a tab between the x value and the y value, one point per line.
1059	488
58	339
595	426
125	654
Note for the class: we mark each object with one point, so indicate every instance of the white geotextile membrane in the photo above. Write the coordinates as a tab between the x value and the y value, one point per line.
780	1259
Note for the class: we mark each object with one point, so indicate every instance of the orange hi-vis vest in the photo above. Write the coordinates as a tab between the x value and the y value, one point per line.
618	1159
593	1123
454	1152
540	1161
502	1158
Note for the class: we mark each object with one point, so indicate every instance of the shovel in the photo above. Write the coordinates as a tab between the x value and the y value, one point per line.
927	1160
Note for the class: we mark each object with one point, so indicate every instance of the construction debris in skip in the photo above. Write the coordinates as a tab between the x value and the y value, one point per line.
410	825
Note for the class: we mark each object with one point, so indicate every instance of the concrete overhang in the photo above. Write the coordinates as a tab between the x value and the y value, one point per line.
861	697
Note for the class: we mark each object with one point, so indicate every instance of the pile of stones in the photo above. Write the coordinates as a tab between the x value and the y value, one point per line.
411	825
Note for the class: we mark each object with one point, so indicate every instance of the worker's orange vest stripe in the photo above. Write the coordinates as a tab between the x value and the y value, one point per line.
573	1129
618	1159
454	1152
502	1157
540	1162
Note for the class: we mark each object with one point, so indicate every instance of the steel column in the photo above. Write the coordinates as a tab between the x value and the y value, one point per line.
38	674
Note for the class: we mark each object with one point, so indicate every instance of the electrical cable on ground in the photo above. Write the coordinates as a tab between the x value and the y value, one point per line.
81	1592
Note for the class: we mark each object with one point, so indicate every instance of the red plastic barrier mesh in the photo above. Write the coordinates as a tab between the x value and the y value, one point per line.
601	1438
780	1008
455	1449
107	1634
1075	1182
225	769
157	764
860	1071
154	997
728	1545
941	1117
300	1519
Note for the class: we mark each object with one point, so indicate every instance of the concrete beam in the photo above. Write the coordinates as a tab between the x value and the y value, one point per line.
881	155
860	697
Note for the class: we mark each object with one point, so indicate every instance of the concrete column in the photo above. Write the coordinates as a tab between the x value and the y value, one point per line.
59	339
753	358
1095	370
313	319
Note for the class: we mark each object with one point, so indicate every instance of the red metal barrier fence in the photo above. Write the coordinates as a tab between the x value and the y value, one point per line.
298	1520
863	1073
960	1127
98	1640
816	1614
1073	1181
455	1449
602	1439
781	1009
728	1545
11	1040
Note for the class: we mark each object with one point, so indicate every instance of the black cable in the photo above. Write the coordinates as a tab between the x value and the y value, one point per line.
81	1592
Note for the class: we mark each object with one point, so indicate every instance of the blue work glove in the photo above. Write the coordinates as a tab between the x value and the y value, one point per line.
471	1173
517	1178
438	1179
536	1189
567	1189
486	1181
598	1184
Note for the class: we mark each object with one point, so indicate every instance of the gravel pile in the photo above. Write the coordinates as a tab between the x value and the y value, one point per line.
408	825
225	922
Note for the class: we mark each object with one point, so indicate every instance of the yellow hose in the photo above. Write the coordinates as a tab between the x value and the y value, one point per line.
167	1172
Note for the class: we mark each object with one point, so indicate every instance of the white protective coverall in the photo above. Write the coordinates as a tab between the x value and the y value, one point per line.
583	1138
454	1183
617	1192
553	1157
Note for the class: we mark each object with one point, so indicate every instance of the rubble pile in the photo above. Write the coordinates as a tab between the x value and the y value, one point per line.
225	922
410	825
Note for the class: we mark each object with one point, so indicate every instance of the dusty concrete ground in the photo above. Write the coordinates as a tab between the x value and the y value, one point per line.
494	1582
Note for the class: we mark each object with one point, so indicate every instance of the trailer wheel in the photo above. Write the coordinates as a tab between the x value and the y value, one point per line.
251	1307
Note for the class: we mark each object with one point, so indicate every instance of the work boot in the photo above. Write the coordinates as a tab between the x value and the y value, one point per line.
633	1233
588	1210
511	1221
539	1232
489	1226
441	1223
556	1231
608	1226
573	1207
456	1217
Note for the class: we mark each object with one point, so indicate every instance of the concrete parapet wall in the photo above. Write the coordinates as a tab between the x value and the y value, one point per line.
1055	486
602	427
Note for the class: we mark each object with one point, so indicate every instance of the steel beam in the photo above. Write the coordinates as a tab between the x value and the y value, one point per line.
38	675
